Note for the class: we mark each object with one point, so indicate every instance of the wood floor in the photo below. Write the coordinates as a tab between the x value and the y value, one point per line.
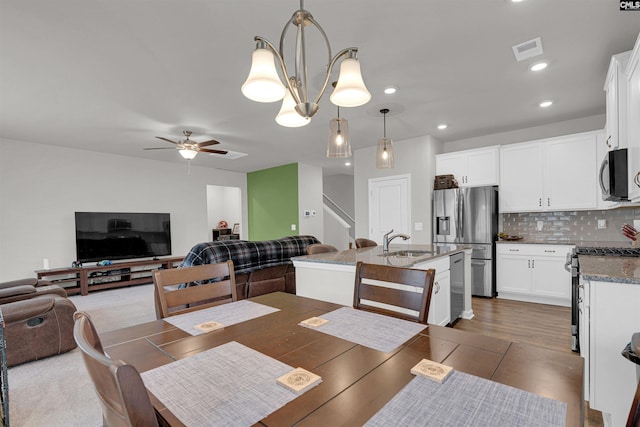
537	324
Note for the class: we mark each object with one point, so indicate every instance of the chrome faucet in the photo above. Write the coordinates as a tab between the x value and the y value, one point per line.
387	239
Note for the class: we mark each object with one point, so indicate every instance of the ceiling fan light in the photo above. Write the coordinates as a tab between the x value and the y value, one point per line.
263	83
339	145
188	154
350	90
288	116
384	154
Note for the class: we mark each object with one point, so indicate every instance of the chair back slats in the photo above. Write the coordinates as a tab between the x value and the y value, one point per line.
196	292
386	285
122	395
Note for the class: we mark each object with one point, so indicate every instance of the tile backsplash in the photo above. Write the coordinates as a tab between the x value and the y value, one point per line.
572	226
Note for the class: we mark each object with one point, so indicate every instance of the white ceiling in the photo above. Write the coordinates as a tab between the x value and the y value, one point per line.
111	75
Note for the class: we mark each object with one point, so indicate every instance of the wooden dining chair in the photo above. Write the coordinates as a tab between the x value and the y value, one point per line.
365	243
374	283
121	392
205	286
319	248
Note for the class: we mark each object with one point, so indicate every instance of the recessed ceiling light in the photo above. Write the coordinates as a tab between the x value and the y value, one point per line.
442	126
347	163
545	104
390	90
516	1
538	66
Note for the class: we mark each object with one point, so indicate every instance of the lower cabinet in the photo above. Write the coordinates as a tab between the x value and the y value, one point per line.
533	273
440	308
613	318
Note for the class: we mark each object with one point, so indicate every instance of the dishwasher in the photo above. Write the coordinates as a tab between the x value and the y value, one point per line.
456	262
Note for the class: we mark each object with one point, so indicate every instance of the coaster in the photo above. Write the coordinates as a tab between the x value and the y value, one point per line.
209	326
314	322
299	380
432	370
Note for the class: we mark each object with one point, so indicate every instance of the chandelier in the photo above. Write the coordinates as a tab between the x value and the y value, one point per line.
264	84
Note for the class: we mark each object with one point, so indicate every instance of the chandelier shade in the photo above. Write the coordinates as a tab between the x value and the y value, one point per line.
288	116
265	85
384	151
187	153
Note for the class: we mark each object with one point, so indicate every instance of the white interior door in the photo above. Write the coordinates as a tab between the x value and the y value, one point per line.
389	206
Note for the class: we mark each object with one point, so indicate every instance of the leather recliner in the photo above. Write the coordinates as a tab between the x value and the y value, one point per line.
18	290
38	327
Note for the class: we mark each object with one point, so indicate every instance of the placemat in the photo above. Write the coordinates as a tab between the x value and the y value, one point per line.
229	385
467	400
376	331
227	314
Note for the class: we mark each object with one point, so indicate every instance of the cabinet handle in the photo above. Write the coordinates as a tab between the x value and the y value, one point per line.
528	263
540	202
514	250
437	287
548	201
533	263
636	179
550	251
607	141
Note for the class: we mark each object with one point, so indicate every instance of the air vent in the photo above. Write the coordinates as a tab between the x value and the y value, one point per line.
231	155
528	49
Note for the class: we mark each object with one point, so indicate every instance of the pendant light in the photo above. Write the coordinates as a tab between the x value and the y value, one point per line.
339	145
384	153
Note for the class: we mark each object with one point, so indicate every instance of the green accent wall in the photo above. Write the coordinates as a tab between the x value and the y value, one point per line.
272	196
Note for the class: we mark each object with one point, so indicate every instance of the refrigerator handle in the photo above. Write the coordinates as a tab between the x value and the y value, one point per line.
460	218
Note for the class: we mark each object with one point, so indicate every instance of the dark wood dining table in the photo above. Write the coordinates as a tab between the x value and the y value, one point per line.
357	381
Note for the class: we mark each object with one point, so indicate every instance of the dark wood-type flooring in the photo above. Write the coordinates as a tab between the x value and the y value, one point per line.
542	325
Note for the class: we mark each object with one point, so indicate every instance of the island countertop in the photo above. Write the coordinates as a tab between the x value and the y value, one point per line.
610	269
374	255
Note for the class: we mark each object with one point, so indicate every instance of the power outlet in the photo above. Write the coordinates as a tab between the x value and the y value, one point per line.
602	224
636	224
539	225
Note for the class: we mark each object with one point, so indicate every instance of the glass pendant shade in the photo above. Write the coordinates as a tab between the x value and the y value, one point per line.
188	154
339	145
384	154
288	116
350	90
263	83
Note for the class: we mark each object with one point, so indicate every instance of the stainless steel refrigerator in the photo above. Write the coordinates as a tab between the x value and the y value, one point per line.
469	216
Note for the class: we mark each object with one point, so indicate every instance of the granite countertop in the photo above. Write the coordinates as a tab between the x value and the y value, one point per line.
610	268
579	243
373	255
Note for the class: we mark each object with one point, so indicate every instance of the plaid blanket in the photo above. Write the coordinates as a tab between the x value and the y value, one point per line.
249	256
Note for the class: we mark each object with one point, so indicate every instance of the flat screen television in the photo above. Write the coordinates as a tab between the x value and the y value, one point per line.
120	235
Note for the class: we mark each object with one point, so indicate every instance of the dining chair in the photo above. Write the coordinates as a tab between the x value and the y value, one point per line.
181	290
378	284
121	392
365	243
319	248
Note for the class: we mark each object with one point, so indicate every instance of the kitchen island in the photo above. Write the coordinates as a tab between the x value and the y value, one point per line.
331	276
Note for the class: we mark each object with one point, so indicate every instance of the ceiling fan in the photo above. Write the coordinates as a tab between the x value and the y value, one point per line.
188	149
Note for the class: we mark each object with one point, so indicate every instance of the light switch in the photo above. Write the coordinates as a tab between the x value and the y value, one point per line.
418	226
602	224
293	227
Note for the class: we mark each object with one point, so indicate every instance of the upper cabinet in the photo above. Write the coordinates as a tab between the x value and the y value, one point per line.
633	126
616	100
549	175
471	168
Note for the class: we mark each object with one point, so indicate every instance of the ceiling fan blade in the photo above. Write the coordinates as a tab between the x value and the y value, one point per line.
161	148
168	140
207	143
206	150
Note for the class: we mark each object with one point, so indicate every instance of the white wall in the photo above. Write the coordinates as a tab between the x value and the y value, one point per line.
567	127
339	188
310	198
413	156
225	203
41	186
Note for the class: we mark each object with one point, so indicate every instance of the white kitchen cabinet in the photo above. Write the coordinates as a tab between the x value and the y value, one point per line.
471	168
440	307
549	175
633	125
533	273
616	101
614	318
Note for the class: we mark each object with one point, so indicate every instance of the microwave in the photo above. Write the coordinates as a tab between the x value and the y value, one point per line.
613	176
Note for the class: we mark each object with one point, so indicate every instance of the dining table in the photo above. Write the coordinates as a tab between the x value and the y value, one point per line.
357	381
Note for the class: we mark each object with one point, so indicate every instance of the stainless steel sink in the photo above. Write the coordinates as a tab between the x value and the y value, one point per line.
408	254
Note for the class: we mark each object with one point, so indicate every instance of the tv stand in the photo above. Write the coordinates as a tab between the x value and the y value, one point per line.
85	279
